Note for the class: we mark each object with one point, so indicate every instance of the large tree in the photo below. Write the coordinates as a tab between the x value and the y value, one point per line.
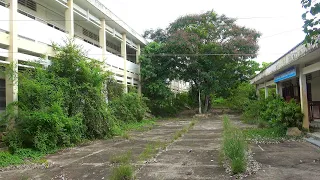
210	51
311	20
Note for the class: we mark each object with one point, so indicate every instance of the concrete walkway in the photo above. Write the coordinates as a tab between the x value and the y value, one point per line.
194	156
93	161
288	160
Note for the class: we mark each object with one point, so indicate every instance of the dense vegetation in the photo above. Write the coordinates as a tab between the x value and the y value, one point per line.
65	104
203	49
273	111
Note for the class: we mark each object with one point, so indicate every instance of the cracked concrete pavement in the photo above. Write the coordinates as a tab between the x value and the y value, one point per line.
193	156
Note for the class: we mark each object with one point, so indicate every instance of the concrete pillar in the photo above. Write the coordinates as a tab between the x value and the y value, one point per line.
304	99
279	89
124	56
266	93
103	39
257	91
12	76
139	70
69	19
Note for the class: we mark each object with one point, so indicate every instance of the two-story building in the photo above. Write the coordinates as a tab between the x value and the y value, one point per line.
29	27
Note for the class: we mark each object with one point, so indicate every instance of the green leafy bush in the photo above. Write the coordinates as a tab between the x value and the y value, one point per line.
7	159
275	111
234	146
129	107
61	105
241	97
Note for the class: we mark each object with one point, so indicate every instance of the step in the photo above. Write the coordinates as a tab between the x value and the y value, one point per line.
314	141
315	124
315	135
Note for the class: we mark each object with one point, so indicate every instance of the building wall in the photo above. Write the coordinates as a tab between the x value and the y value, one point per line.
315	86
38	29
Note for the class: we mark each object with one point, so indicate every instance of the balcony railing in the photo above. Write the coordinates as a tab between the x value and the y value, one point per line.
39	31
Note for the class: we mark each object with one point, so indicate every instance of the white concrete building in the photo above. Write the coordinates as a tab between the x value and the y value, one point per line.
28	28
179	86
296	75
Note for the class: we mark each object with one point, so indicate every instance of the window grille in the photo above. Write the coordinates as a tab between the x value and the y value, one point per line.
90	34
29	4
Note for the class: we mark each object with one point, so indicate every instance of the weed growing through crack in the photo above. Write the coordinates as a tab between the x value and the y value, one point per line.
126	135
122	172
122	159
151	150
234	146
179	134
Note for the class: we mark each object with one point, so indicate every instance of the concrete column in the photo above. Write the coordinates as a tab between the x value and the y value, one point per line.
12	76
124	55
257	91
304	99
266	93
103	39
139	71
279	89
69	19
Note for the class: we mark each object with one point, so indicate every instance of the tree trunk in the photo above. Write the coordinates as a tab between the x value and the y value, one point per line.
200	112
206	105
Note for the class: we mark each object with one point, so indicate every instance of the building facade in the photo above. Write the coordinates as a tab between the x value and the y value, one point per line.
29	27
296	75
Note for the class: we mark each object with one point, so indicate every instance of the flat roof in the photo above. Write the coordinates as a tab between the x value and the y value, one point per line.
298	54
115	21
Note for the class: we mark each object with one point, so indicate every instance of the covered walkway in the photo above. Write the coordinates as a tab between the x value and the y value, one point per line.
295	75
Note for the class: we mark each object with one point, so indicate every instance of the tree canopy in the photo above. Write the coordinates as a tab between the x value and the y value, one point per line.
211	51
311	20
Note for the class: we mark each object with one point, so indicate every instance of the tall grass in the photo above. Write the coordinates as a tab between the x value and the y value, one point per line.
122	172
234	146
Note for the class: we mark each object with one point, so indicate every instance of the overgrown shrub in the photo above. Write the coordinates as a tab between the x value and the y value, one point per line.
274	111
129	108
234	146
242	96
61	105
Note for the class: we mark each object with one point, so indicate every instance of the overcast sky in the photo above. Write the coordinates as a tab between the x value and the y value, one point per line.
279	21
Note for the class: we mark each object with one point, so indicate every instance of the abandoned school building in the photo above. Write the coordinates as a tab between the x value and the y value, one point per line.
296	75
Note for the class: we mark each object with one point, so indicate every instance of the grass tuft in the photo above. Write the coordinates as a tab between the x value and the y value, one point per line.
234	146
19	157
126	135
122	172
122	159
179	134
265	133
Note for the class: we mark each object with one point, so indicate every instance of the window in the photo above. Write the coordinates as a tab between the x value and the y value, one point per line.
2	94
113	46
29	4
90	34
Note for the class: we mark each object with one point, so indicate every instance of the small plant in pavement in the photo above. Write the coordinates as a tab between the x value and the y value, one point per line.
234	146
122	172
